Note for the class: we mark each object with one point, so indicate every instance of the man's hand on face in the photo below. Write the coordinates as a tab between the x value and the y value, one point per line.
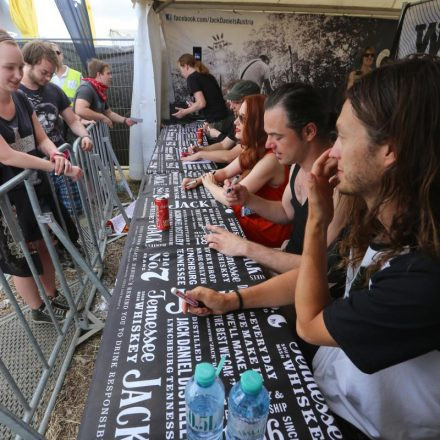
321	183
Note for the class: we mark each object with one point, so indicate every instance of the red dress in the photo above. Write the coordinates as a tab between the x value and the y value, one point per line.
259	229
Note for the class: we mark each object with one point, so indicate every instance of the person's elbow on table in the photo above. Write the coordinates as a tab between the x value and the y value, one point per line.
215	303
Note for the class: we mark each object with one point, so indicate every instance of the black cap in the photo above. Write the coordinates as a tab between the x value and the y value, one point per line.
241	89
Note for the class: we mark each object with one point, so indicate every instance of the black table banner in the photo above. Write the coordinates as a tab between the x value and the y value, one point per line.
173	140
149	348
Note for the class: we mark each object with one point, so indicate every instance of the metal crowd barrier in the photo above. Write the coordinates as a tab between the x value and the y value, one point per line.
100	167
34	357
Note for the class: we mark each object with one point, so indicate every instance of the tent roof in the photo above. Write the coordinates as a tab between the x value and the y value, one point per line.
374	8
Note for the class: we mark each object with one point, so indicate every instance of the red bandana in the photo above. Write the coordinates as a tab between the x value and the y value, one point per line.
100	88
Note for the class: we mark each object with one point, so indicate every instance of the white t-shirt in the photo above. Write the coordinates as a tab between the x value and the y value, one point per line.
255	70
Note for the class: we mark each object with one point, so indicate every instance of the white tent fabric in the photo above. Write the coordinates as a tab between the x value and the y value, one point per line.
147	84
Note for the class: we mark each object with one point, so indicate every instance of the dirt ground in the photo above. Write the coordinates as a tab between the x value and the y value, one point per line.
66	416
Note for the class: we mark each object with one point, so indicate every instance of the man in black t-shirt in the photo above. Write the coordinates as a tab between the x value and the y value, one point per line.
50	104
48	100
378	361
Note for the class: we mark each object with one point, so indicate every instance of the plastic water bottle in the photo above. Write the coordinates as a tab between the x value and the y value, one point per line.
205	401
248	404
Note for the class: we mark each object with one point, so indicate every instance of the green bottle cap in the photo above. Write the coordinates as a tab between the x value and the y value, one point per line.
251	382
205	374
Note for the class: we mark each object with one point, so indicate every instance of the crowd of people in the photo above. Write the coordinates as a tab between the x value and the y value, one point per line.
361	269
41	97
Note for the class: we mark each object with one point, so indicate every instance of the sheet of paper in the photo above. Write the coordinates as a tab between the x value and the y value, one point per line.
118	222
194	162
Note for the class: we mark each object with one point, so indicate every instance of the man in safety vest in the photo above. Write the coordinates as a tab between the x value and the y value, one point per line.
65	77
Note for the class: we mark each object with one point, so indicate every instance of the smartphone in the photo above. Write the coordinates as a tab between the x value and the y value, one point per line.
138	120
187	299
197	53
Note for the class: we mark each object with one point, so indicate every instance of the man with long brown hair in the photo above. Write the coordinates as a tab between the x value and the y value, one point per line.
378	361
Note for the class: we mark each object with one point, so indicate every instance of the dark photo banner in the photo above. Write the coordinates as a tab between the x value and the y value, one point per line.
314	48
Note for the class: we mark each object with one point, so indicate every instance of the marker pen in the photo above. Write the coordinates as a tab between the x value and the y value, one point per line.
234	181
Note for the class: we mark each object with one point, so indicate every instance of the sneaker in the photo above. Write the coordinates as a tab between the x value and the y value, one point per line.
61	302
41	315
66	260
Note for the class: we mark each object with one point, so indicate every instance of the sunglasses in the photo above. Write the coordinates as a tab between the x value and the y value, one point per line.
369	55
241	118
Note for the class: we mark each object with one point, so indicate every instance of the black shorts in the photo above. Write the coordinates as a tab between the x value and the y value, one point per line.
26	218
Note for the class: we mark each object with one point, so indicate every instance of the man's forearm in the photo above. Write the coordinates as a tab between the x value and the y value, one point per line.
270	210
313	293
114	117
89	114
273	259
224	145
78	129
219	156
276	292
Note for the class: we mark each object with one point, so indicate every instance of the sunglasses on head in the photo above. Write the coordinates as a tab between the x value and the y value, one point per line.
370	55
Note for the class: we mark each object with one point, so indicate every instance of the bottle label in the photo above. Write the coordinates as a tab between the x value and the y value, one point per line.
246	430
205	423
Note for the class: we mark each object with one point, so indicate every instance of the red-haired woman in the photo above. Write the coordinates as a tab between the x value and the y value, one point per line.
260	172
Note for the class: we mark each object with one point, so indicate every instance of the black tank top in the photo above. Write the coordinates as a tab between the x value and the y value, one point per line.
295	245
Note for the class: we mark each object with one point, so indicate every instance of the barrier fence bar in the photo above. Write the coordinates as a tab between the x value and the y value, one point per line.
101	164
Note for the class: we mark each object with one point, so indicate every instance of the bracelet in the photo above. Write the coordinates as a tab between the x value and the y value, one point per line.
240	299
65	154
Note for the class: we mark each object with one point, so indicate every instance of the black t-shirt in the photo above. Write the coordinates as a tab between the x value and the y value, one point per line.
295	244
215	109
19	134
393	317
48	102
87	92
231	131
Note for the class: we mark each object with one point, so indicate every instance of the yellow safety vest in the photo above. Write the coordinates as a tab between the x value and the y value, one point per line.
71	82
